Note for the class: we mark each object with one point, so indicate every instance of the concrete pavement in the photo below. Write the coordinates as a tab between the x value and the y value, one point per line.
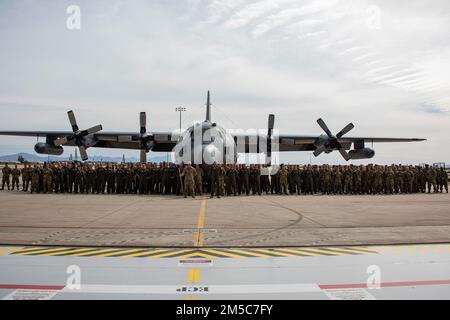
158	221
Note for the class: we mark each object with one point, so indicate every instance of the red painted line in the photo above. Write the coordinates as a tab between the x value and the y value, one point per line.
385	284
30	287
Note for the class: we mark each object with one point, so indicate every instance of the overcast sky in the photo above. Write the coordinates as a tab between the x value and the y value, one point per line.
383	65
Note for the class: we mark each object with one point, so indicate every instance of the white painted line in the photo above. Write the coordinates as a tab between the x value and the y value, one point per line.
30	294
200	289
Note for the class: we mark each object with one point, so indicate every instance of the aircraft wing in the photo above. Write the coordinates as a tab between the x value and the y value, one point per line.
164	141
250	143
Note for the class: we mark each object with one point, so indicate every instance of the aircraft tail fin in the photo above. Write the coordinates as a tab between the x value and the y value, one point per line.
208	108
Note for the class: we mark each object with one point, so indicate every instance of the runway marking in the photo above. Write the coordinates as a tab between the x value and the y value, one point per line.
194	275
386	284
200	223
3	253
413	249
196	252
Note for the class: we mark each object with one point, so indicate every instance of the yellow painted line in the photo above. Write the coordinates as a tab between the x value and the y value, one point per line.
194	275
273	253
173	252
200	223
3	253
107	254
223	253
65	253
94	252
248	253
299	252
139	254
351	251
13	249
192	298
362	249
325	253
39	251
411	249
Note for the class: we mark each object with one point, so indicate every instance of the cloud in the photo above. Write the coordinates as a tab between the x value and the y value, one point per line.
298	59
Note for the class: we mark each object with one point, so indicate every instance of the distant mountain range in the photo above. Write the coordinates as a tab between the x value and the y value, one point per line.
35	158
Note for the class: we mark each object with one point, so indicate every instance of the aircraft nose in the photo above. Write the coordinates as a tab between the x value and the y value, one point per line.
212	154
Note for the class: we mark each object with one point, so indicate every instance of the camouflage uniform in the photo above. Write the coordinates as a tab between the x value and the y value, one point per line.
189	174
15	173
47	175
284	173
6	171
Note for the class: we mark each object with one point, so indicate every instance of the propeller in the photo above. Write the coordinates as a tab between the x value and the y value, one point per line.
332	142
271	124
78	136
144	138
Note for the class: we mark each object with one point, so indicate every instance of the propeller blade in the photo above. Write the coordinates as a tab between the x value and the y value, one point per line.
73	121
344	131
143	122
60	141
94	129
143	156
319	150
324	127
344	154
83	153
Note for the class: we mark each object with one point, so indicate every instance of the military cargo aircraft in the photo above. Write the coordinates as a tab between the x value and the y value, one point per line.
205	142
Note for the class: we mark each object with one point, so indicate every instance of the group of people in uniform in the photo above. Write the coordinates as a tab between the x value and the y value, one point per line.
223	180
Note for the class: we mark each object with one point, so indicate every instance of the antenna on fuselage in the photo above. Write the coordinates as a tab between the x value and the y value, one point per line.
208	108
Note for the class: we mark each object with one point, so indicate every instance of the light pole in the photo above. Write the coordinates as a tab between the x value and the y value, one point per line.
180	110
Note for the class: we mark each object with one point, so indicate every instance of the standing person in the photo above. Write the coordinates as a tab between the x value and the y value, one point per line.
189	174
257	179
199	179
15	173
101	179
431	178
215	174
244	178
26	177
47	175
444	178
309	180
325	175
35	173
284	174
6	171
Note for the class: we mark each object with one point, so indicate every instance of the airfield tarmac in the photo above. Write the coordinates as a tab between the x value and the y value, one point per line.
268	247
254	221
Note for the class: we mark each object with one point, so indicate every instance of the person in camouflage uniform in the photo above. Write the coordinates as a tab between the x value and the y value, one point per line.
15	173
308	180
244	179
284	174
47	175
325	180
357	180
6	172
35	177
189	174
443	179
337	180
431	178
347	176
26	177
215	174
